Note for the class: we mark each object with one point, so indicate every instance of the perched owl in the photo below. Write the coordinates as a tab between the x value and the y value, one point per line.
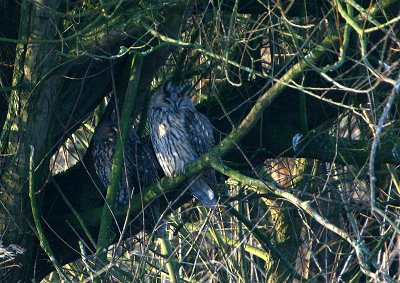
139	166
180	134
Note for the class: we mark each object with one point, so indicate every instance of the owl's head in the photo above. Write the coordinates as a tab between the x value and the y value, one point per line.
106	131
171	97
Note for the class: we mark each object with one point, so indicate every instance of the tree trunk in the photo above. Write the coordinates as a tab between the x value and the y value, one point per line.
29	120
44	111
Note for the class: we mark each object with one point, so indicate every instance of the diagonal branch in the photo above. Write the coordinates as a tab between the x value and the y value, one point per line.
105	225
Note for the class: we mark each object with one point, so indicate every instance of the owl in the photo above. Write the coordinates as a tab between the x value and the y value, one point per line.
180	134
139	166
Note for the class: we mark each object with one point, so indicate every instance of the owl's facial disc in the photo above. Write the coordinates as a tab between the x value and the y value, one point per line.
171	97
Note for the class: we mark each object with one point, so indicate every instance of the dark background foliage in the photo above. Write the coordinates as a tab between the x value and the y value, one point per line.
303	96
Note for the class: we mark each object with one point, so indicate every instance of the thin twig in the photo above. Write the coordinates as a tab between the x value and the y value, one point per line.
36	219
105	225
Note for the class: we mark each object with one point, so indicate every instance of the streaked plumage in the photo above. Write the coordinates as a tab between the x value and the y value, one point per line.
139	167
180	134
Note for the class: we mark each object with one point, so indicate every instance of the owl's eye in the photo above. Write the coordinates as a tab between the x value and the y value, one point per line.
112	133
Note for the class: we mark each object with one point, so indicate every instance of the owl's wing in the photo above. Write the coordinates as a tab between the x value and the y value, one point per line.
103	150
200	131
143	166
201	137
102	156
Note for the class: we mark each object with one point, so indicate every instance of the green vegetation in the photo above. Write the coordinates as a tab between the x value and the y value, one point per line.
304	99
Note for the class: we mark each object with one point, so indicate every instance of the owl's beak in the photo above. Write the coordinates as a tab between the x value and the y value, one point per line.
173	102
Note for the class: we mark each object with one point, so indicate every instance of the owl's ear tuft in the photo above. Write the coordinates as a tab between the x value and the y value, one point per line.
168	87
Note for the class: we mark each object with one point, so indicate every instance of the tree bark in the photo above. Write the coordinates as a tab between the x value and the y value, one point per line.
28	123
44	113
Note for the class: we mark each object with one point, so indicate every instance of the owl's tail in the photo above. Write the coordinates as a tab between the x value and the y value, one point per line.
202	191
